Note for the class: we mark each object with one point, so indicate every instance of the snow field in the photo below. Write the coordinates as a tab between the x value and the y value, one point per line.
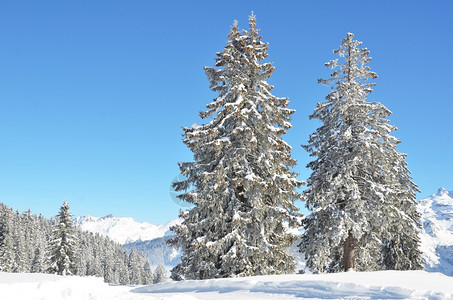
26	286
357	285
350	285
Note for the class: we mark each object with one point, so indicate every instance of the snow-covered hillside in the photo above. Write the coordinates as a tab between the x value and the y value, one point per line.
437	234
123	230
350	285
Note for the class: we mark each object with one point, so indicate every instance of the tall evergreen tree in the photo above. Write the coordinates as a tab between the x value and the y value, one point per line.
19	249
123	269
360	191
147	274
7	261
62	247
240	182
32	238
83	254
108	264
134	267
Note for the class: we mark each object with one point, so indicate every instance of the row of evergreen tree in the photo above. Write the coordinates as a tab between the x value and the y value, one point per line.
31	243
360	193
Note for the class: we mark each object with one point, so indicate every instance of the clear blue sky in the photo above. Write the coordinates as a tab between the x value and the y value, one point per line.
93	94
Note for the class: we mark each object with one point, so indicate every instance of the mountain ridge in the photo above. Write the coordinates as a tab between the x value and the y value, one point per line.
123	229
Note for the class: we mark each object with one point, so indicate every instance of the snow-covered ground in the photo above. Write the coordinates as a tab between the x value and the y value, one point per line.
351	285
24	286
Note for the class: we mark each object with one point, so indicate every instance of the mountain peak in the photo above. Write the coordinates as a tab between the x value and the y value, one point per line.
109	216
442	191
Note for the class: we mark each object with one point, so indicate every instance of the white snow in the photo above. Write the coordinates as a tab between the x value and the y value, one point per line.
350	285
24	286
437	233
123	230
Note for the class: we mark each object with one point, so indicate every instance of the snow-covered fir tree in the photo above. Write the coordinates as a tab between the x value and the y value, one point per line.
240	181
63	245
160	274
30	239
134	266
147	273
108	265
37	264
360	191
123	269
19	248
7	261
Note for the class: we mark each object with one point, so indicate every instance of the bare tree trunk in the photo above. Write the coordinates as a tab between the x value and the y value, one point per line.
350	245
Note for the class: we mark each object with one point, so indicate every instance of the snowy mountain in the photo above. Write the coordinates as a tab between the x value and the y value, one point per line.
146	238
437	233
123	230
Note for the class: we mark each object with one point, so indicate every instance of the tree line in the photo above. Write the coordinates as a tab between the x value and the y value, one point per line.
243	190
34	244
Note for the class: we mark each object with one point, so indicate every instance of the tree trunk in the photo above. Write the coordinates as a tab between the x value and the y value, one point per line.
350	245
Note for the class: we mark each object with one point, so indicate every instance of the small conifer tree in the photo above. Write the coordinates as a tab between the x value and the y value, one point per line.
63	245
160	274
